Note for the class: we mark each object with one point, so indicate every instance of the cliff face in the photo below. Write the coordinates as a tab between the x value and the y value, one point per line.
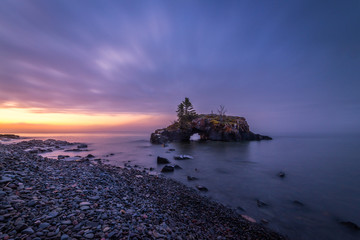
209	127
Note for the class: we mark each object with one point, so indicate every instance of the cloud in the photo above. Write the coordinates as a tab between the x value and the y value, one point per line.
121	57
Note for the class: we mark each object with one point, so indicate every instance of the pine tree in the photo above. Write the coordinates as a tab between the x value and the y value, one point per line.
186	111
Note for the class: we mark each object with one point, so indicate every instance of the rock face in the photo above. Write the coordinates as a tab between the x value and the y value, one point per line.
209	127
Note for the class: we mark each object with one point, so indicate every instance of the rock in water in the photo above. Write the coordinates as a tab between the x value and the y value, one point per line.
350	225
190	178
177	167
261	203
183	157
167	168
250	219
281	174
202	188
161	160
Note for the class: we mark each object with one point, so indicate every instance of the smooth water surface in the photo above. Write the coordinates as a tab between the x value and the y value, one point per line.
322	173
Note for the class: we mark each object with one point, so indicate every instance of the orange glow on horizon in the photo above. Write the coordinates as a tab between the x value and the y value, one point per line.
33	120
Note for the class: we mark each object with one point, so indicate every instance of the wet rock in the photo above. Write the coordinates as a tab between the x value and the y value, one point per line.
84	204
281	174
82	145
177	167
89	235
44	225
202	188
261	203
183	157
90	156
350	225
64	237
28	230
161	160
52	214
190	178
167	168
298	203
31	203
248	218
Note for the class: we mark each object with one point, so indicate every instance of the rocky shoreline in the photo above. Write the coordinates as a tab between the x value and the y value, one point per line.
44	198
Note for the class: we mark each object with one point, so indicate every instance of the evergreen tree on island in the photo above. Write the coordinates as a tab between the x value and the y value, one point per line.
186	111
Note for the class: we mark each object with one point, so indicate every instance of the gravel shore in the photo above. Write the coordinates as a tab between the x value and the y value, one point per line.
42	198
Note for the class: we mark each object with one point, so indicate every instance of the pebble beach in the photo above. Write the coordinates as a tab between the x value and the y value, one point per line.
45	198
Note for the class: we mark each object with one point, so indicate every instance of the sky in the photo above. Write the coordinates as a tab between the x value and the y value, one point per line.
286	66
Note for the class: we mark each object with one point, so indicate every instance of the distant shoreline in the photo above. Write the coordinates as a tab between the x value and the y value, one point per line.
69	199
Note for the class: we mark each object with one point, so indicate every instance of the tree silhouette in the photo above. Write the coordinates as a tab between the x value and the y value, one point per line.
186	111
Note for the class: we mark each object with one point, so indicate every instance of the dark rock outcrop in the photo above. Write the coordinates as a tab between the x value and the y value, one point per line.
167	168
209	127
9	136
161	160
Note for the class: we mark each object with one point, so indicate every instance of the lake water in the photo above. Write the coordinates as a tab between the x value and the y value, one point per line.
323	173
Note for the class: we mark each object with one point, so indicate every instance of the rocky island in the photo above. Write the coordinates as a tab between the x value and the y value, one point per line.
215	127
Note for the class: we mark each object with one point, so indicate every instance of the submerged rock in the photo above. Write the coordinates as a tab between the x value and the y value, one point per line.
190	178
298	203
261	203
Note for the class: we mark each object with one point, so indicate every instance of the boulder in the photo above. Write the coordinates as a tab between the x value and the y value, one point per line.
182	157
161	160
167	168
202	188
190	178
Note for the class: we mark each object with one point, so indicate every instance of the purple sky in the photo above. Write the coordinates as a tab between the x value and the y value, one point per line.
287	66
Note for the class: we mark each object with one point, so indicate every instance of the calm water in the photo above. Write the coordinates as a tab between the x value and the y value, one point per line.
322	173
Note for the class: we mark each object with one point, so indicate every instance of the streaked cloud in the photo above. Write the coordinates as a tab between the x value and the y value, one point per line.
268	61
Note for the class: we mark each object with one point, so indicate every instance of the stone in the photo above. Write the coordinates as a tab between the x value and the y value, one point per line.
202	188
298	203
85	204
31	203
53	214
28	230
64	237
167	168
183	157
350	225
161	160
82	145
44	225
248	218
66	222
89	235
190	178
261	203
281	174
84	208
